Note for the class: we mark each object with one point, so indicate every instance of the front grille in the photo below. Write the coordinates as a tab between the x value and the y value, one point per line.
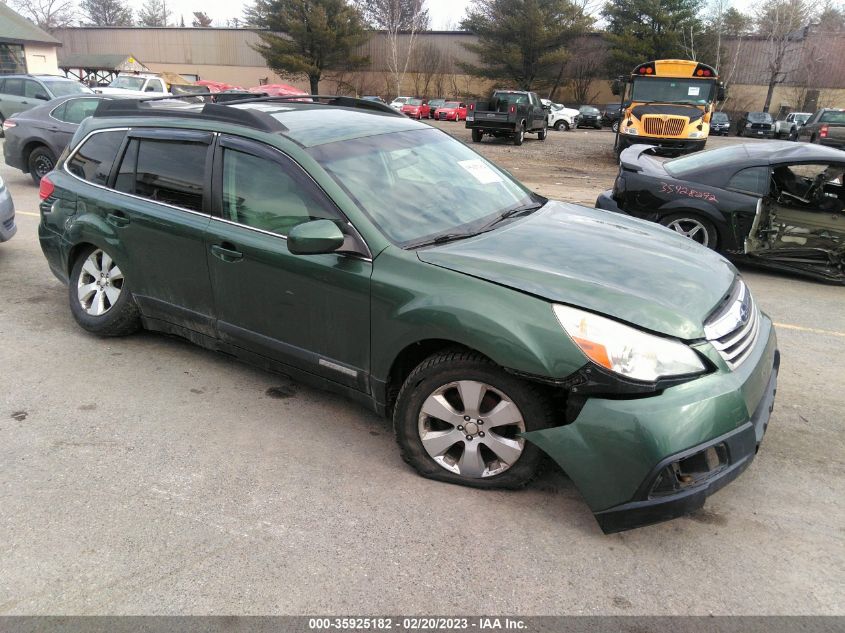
734	327
761	126
658	126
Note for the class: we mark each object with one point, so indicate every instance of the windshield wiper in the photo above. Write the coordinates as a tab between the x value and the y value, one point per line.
441	239
523	209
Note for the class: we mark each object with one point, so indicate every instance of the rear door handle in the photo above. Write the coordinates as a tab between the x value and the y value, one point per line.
117	219
226	252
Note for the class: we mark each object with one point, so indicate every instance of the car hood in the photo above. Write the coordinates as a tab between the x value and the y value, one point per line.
633	270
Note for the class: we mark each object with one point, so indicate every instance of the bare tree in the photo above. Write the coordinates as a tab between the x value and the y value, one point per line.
47	14
780	23
401	20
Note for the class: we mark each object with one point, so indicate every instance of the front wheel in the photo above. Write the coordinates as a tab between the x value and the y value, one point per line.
519	135
460	418
615	126
476	135
692	226
542	133
100	299
41	162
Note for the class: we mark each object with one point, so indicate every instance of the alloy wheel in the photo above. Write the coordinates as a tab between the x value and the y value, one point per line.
99	284
471	428
691	228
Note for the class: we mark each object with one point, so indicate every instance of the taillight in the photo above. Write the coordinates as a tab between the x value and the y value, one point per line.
513	109
472	106
46	188
823	131
8	124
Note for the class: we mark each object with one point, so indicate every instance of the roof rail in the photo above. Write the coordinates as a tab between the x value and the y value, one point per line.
210	111
329	100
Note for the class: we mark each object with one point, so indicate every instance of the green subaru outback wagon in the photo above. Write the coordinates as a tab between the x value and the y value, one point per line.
365	253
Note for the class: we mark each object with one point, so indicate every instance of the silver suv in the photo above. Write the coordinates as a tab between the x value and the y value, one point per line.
22	92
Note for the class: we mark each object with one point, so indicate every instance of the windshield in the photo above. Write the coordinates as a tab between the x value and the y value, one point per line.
437	102
419	184
588	110
672	90
400	100
414	101
833	116
759	117
127	83
720	117
703	160
802	118
65	88
451	104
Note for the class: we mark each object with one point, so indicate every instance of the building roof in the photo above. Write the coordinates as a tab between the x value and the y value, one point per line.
16	29
107	61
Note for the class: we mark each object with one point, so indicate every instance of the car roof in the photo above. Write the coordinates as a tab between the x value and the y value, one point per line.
786	151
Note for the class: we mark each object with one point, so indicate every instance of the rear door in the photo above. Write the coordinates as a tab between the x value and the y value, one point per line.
12	100
160	211
310	312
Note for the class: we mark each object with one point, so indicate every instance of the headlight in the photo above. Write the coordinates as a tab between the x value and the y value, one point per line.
694	134
749	125
631	131
625	350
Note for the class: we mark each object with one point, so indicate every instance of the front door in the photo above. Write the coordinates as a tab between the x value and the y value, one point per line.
308	311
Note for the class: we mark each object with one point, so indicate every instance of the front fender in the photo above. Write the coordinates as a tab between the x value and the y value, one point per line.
413	301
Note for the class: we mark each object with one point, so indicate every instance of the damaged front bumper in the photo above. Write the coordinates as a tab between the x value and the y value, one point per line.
645	460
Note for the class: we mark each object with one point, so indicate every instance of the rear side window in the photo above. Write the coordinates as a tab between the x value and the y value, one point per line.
168	171
93	160
14	87
753	180
75	110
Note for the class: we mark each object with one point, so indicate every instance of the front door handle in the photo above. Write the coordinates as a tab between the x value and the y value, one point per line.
117	219
226	252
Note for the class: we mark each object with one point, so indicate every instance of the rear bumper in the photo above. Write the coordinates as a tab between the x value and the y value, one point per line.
838	143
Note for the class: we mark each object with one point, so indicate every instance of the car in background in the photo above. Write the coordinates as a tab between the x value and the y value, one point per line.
136	84
7	214
508	114
777	205
720	124
433	105
383	259
590	116
825	127
375	98
610	115
559	116
416	109
398	102
19	93
755	124
451	111
790	124
36	138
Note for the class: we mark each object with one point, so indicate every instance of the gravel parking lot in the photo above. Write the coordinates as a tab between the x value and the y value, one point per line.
146	475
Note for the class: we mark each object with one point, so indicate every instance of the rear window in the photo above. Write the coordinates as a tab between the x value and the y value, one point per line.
833	116
703	160
94	158
588	110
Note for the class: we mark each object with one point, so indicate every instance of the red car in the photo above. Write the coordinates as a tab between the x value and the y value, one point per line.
451	111
416	109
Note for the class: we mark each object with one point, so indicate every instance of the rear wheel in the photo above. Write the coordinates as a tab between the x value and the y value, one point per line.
460	418
542	133
41	162
100	299
476	135
693	226
519	135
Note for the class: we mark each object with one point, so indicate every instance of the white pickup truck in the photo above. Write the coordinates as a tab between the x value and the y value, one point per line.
140	85
794	120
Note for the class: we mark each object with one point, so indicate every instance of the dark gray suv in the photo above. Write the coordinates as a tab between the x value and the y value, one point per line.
22	92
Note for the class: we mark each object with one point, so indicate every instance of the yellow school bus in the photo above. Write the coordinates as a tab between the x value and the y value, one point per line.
668	103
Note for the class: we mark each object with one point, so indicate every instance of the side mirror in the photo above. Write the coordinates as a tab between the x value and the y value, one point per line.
721	92
617	86
42	95
315	238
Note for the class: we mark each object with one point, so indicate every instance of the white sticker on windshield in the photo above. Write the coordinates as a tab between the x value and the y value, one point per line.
480	171
693	91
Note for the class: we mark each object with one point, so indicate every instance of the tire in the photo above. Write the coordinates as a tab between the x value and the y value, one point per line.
541	135
119	318
598	126
694	227
448	375
476	135
2	121
614	126
558	125
519	135
41	162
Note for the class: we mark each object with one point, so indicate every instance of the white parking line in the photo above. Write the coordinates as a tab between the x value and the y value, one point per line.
35	215
813	330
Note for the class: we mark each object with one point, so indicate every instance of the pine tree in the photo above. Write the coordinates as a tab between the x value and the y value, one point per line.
154	13
106	13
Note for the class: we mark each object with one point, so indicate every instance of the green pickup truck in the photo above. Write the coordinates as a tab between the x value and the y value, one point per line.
825	127
508	113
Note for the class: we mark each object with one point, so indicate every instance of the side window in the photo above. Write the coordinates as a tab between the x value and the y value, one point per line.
14	87
75	110
32	88
154	85
59	111
168	171
93	160
269	195
754	180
